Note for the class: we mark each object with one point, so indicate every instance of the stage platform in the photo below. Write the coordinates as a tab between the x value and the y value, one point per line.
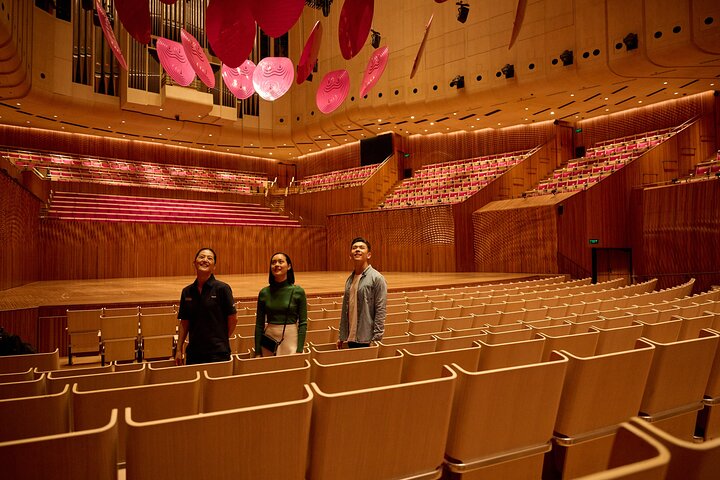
166	290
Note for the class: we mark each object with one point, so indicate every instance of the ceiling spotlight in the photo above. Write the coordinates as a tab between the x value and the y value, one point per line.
508	70
631	41
463	10
566	57
458	82
375	38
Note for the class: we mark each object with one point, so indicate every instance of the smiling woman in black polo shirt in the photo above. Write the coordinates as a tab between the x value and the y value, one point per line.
207	313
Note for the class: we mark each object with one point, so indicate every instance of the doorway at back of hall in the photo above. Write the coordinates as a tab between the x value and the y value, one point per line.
611	263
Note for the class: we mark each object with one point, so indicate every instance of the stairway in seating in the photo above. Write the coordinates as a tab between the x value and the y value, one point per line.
122	208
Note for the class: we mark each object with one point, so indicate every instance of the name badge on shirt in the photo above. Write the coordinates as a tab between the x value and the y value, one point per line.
188	299
213	296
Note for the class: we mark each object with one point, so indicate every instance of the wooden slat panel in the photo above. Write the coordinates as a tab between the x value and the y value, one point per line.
19	223
89	250
403	240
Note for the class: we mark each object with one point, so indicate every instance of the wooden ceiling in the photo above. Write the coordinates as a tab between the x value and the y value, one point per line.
572	60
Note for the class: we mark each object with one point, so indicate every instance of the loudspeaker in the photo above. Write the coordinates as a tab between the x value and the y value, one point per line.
561	209
407	173
579	151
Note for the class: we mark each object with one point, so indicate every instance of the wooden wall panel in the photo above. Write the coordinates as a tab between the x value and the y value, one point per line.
22	322
328	160
19	224
313	208
95	250
681	234
94	145
516	239
510	184
437	148
420	239
653	117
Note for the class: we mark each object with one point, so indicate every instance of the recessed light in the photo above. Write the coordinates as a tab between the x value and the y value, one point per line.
270	153
639	101
379	119
499	123
664	83
18	104
477	119
454	113
472	126
552	113
168	128
209	134
122	121
160	134
412	117
54	116
527	108
426	129
606	98
161	109
675	93
607	109
572	94
328	144
432	123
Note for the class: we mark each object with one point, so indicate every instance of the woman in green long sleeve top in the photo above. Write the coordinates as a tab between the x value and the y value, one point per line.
281	309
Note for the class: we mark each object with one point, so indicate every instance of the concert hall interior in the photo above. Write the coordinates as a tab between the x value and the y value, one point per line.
540	182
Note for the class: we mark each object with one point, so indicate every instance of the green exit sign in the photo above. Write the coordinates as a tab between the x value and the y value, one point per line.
578	130
594	241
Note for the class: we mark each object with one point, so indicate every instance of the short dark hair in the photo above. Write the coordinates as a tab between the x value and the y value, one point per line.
290	274
206	248
360	239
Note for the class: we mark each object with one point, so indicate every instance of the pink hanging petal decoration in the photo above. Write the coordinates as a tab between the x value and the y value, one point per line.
197	58
333	90
230	30
309	54
375	68
135	17
239	80
416	63
354	27
276	17
272	77
174	61
110	35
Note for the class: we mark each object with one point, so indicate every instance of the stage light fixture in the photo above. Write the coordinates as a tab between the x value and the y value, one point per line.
631	41
463	10
508	70
375	38
458	82
566	58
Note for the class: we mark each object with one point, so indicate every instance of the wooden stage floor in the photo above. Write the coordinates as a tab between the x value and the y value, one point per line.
166	290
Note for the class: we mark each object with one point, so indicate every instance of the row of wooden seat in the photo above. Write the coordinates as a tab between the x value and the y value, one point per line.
514	411
122	333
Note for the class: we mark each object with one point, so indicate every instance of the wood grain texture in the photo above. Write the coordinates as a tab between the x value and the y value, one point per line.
680	233
96	250
417	239
19	225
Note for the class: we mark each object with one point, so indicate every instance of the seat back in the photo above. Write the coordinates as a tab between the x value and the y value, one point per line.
269	441
496	412
688	460
582	344
35	416
403	426
426	366
253	389
679	374
634	455
26	388
21	363
357	374
611	340
621	377
97	381
503	355
170	374
47	457
149	402
267	364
